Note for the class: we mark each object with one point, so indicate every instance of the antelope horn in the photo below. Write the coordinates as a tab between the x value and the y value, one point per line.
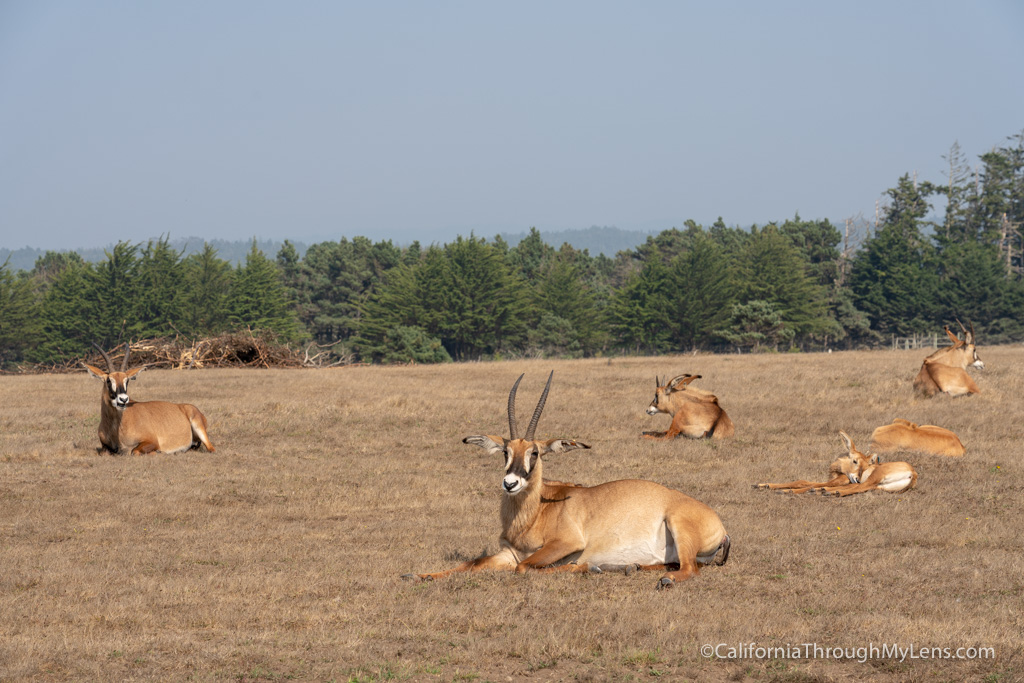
513	426
962	328
110	366
127	350
540	408
972	331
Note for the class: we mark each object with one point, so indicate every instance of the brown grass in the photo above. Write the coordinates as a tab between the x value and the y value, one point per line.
278	557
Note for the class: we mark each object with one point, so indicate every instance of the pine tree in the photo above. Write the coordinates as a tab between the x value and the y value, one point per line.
699	294
68	325
19	320
564	300
894	278
258	299
113	293
637	315
207	280
159	305
771	269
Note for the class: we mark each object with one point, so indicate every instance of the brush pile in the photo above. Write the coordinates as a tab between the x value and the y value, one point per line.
244	349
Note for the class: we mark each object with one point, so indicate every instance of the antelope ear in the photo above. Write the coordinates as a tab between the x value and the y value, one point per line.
495	445
560	445
874	459
94	371
847	441
132	373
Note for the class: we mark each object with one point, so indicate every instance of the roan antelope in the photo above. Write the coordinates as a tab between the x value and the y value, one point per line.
695	412
839	471
868	473
945	370
617	526
146	426
904	435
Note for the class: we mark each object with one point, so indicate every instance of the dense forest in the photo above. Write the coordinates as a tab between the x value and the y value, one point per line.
791	285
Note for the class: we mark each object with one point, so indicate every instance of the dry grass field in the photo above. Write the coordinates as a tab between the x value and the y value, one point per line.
278	557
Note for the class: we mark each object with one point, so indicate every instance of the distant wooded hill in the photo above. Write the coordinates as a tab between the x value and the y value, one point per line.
233	252
607	240
598	240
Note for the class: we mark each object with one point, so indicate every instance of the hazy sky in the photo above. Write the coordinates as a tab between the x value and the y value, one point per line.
423	120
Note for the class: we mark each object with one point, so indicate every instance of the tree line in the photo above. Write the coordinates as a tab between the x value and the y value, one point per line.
795	284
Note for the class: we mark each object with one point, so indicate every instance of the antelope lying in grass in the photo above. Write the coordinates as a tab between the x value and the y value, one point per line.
695	413
904	435
867	473
838	470
147	426
945	370
620	525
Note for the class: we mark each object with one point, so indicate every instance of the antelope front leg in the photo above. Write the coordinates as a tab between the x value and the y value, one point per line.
502	561
673	431
549	554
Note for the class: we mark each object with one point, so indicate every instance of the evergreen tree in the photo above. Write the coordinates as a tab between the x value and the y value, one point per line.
699	294
19	322
112	297
207	280
160	302
485	303
258	299
564	300
68	326
894	278
529	256
465	294
335	280
771	269
637	315
756	324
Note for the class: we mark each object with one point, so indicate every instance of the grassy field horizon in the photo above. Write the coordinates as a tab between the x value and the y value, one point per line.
279	556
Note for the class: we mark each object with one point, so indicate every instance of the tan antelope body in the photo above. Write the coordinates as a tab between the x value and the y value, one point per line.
904	435
619	525
144	426
945	371
838	470
695	412
867	473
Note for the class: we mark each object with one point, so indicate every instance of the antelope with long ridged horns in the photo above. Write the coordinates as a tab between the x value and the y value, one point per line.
945	371
143	426
695	412
616	526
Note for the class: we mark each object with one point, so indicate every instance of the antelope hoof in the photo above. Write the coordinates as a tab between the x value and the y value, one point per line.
416	578
666	582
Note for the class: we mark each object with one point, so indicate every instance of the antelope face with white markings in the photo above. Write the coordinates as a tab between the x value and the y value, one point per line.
522	456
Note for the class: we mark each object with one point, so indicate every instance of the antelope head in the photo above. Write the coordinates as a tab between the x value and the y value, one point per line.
522	455
970	347
855	465
116	381
663	391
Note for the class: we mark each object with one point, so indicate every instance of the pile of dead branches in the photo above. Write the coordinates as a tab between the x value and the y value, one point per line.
244	349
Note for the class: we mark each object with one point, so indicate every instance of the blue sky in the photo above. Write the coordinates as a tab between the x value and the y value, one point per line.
423	120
